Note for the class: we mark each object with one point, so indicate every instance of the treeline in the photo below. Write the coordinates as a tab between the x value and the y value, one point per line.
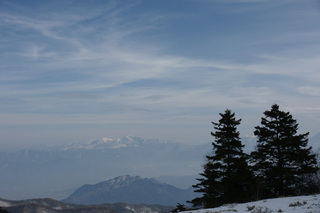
281	165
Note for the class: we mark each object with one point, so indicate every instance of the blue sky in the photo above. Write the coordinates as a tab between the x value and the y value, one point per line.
80	70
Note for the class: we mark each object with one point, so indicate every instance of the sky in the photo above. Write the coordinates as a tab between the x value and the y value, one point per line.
79	70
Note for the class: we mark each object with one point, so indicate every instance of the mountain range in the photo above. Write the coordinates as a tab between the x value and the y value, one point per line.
53	206
57	171
132	190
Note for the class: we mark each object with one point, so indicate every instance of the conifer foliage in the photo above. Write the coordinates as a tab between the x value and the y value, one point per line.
226	176
282	161
282	165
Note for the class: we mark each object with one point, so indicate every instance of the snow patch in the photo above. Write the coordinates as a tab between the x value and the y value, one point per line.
140	210
107	140
299	204
130	208
4	204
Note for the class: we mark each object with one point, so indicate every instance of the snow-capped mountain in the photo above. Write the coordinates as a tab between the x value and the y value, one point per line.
111	143
132	190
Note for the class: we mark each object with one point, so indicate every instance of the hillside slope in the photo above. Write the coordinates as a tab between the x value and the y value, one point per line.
298	204
53	206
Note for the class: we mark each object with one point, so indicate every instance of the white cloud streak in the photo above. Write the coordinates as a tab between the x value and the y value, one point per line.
89	67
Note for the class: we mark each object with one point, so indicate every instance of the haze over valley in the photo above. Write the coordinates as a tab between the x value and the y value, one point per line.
57	171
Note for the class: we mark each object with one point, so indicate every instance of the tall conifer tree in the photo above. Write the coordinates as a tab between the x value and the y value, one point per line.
282	158
226	176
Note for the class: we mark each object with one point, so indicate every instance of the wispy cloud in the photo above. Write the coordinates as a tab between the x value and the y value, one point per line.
307	90
105	64
245	6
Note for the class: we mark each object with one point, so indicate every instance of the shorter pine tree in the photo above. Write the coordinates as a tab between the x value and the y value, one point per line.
226	176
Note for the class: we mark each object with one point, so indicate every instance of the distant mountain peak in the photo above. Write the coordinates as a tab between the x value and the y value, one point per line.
130	189
109	143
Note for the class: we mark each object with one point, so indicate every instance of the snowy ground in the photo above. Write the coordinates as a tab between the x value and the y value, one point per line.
300	204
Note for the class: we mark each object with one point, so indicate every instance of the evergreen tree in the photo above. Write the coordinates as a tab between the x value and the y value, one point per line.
226	176
282	159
